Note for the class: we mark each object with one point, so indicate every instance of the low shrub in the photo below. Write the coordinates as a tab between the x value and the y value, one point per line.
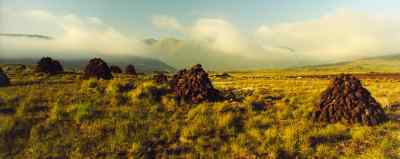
57	113
92	86
117	91
361	133
81	112
6	125
325	151
148	92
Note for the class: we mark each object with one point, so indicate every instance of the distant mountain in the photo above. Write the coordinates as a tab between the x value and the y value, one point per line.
142	64
185	53
388	63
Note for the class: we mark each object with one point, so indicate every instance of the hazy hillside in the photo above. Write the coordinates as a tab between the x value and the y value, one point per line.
183	53
390	63
142	64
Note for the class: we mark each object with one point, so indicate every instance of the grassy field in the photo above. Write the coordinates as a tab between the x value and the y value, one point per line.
63	116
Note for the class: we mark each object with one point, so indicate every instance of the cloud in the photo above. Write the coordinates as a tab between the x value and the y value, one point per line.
166	22
214	42
222	36
217	34
72	34
339	36
34	36
184	53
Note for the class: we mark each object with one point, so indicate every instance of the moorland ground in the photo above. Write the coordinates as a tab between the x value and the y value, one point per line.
64	116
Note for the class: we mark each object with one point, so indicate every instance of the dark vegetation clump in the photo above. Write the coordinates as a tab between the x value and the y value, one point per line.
130	70
97	68
160	78
224	75
115	69
49	66
20	68
194	86
346	100
4	81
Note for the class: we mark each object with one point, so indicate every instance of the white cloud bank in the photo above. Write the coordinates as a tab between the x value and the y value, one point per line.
217	34
72	34
339	36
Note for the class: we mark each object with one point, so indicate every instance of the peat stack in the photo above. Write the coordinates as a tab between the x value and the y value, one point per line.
4	81
194	86
160	78
115	69
346	100
130	70
49	66
97	68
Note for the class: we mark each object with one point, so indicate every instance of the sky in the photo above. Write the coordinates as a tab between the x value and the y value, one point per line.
133	15
316	30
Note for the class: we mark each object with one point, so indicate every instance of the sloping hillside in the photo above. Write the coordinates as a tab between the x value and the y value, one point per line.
389	63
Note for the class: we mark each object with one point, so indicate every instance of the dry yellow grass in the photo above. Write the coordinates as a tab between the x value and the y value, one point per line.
64	117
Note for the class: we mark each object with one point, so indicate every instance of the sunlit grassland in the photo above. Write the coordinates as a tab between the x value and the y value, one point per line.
64	116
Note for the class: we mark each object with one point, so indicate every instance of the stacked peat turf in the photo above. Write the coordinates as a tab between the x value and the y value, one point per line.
346	100
194	86
97	68
160	78
4	81
48	66
130	70
115	69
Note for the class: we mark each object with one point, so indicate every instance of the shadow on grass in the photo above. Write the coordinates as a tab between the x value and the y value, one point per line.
7	111
30	83
316	140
